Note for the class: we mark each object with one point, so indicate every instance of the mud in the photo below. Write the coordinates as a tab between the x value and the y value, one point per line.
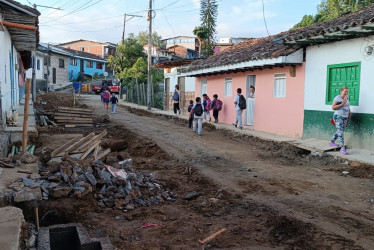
181	224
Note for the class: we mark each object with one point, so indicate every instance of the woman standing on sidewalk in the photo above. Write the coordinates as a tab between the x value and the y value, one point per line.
341	117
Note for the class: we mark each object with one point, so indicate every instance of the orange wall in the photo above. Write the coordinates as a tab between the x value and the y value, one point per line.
282	116
90	47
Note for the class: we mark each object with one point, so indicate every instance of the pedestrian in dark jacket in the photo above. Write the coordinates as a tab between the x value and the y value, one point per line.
190	120
114	101
213	106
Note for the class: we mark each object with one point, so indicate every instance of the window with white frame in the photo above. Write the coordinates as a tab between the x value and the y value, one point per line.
279	85
204	87
228	87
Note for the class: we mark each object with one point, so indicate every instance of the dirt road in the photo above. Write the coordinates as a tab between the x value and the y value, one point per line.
311	190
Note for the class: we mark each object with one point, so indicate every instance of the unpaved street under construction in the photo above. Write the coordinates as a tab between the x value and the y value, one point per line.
266	194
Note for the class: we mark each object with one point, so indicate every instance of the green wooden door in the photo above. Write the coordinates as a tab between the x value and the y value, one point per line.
341	75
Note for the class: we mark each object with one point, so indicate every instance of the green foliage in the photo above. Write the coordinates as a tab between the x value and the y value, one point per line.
330	9
208	17
128	54
142	38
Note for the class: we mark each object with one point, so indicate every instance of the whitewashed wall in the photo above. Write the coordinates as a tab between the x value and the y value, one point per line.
189	81
317	59
39	74
5	77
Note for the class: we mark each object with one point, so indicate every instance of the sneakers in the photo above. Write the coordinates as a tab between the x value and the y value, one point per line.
333	144
210	119
241	128
343	151
234	125
179	111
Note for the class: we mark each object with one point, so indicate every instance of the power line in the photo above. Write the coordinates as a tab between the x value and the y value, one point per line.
263	14
80	8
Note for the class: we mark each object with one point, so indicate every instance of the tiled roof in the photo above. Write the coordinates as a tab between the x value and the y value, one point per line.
249	50
347	26
82	54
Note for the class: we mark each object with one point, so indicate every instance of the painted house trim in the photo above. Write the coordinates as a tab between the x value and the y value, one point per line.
295	58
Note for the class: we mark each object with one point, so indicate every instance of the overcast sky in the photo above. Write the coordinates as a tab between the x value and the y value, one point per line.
102	20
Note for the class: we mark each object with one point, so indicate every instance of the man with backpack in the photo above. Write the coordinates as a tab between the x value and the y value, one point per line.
176	98
240	105
197	112
216	105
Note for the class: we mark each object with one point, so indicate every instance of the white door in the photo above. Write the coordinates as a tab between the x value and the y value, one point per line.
251	81
204	87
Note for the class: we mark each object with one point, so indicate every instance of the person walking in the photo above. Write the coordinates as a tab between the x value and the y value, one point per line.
197	111
114	101
240	104
106	99
206	105
342	114
216	106
176	98
190	119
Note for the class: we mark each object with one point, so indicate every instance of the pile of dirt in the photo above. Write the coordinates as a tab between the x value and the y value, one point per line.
54	100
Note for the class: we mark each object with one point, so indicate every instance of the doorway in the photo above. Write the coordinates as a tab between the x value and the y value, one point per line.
54	75
167	94
182	98
204	87
251	81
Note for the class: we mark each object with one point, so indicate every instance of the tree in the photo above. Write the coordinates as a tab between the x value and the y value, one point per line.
202	34
330	9
128	54
142	38
208	17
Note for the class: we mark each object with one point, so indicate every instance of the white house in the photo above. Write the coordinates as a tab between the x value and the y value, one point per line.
339	53
18	38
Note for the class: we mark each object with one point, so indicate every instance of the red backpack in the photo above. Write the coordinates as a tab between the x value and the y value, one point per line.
218	105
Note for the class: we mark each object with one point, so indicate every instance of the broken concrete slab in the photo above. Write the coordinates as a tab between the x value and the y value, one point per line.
4	144
28	194
11	219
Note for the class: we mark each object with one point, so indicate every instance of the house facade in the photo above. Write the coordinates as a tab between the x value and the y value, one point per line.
189	42
82	63
16	44
103	50
174	75
339	53
55	65
276	71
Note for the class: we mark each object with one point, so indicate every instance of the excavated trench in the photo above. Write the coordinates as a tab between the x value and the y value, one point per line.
178	223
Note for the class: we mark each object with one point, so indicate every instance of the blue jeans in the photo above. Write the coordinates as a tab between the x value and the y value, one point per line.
238	119
199	123
114	107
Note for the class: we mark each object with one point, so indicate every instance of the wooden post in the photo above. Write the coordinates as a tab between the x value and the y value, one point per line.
26	115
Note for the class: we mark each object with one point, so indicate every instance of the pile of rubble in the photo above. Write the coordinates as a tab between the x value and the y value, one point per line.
117	186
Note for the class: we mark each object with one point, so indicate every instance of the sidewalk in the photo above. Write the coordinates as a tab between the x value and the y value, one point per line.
311	144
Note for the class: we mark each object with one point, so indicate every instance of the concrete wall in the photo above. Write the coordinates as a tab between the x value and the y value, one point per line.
317	113
39	73
282	116
61	73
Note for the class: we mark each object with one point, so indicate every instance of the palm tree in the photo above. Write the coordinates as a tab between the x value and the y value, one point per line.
202	33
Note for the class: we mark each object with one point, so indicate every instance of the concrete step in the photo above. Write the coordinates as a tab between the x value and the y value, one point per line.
11	219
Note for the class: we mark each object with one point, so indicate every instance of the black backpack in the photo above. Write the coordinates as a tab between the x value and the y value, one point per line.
242	102
198	110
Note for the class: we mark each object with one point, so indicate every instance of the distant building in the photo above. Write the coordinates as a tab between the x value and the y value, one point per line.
103	50
157	54
189	42
227	42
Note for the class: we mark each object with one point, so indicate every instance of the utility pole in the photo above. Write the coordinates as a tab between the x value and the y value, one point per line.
123	40
33	90
48	60
149	87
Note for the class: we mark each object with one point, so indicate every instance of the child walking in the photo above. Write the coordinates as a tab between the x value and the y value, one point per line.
206	104
197	111
114	101
190	120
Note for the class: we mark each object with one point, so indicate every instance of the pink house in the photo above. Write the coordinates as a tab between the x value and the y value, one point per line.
276	71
